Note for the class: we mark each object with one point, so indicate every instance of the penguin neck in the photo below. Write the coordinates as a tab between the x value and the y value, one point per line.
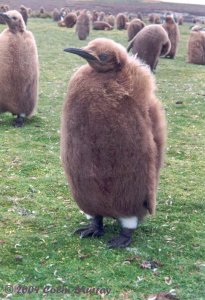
16	30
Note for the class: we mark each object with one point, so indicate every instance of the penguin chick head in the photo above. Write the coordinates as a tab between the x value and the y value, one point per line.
169	19
14	21
102	54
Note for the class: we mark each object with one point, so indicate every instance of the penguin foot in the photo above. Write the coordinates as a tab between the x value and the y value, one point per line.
95	229
18	122
123	240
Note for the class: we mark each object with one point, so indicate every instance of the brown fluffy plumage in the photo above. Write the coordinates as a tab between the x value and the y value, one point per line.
70	20
151	18
112	136
101	16
157	19
94	16
173	33
101	25
139	16
83	26
149	44
42	10
56	15
19	68
154	19
121	20
134	27
111	20
24	13
3	8
196	47
180	20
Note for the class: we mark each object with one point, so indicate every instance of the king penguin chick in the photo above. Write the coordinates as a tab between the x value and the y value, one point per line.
112	138
19	68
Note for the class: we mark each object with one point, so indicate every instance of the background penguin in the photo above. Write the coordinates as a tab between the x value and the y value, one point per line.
24	13
70	20
101	25
172	30
196	46
134	27
83	25
112	138
121	20
19	68
149	44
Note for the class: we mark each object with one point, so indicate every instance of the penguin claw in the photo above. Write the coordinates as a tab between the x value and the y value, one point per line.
18	122
90	230
123	240
94	229
119	242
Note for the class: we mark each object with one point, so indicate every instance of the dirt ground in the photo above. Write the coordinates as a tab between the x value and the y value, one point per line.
106	6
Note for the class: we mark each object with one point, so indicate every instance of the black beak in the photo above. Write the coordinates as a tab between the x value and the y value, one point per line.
81	53
5	17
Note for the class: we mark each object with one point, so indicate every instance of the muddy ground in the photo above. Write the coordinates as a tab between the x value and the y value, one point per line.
108	6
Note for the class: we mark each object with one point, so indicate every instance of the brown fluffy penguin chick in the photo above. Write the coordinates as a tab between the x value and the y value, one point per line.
172	29
121	20
196	47
149	44
24	13
83	26
111	20
134	27
112	138
101	25
70	20
19	68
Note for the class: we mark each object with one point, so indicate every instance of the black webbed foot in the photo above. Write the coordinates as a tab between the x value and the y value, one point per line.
123	240
18	122
94	229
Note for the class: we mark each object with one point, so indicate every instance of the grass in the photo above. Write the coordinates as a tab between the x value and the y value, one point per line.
38	214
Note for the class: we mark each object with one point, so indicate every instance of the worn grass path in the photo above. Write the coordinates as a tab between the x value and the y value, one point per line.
38	215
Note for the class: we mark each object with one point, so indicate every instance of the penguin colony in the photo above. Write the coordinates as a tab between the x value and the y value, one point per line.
19	68
152	37
112	138
104	176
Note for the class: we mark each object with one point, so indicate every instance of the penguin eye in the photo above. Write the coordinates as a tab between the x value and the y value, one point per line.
14	18
103	56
